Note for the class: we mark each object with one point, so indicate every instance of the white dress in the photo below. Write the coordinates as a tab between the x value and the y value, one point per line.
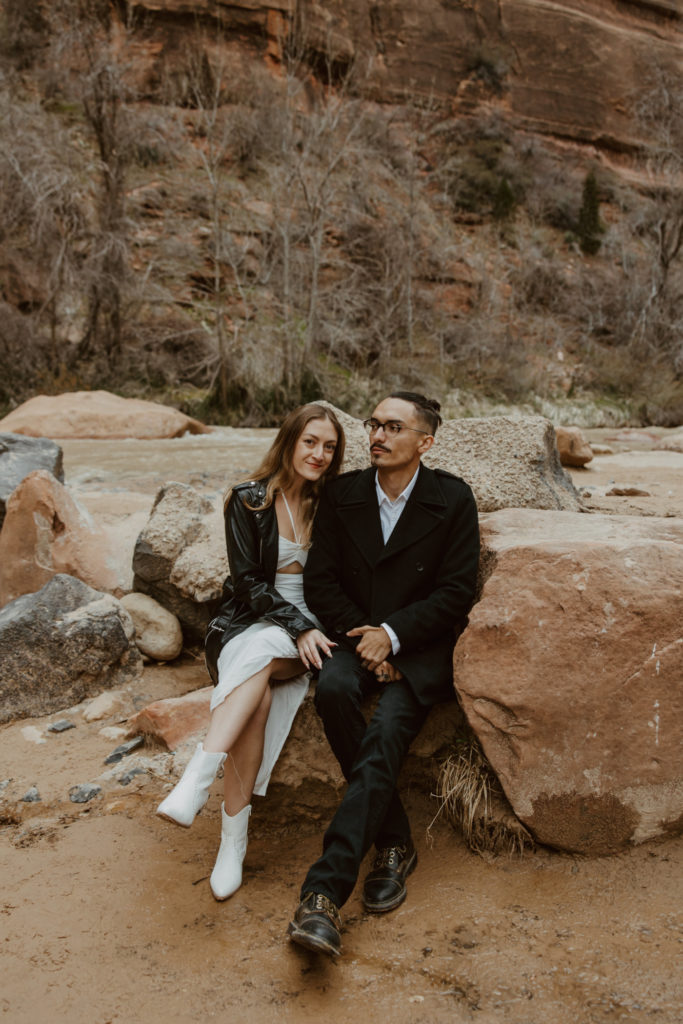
251	650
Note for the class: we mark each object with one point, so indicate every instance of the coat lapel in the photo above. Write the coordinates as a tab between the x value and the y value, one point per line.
359	514
426	507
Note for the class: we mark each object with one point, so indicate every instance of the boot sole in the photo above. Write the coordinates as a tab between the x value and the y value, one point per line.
174	821
312	942
387	905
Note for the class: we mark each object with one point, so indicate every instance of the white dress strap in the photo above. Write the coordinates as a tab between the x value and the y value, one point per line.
291	518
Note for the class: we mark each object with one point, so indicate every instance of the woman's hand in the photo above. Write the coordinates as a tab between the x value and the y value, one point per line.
309	645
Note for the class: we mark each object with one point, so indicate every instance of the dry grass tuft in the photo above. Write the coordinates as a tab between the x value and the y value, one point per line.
473	801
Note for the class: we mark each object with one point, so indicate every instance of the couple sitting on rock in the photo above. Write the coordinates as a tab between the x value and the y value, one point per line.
365	578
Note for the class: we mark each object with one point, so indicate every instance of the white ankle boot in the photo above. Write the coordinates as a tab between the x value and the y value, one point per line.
191	793
226	877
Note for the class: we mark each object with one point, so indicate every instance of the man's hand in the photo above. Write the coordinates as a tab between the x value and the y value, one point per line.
388	673
374	646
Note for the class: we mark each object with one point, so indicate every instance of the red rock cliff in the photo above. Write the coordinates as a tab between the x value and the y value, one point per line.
569	69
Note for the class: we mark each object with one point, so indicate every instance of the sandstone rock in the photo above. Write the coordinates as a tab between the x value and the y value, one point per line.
48	531
157	631
569	674
20	456
573	448
175	720
98	414
564	68
180	558
672	443
104	705
63	644
508	462
306	778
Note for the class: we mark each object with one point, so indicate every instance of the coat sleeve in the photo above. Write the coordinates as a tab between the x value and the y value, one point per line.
454	587
249	582
322	588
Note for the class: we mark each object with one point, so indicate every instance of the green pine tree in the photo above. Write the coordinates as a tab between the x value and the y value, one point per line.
590	225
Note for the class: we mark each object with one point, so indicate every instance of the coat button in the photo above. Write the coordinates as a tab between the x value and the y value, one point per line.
355	570
419	566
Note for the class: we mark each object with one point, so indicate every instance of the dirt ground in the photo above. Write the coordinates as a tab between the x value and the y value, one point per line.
106	913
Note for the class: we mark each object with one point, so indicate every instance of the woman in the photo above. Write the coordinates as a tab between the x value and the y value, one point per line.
264	636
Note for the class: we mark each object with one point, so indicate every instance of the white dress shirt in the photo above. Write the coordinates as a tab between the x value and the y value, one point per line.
389	514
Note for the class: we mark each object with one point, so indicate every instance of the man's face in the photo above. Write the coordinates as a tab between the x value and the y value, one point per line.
398	451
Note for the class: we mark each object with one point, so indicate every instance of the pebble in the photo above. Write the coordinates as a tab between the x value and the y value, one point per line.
124	749
31	796
124	780
61	726
4	784
83	793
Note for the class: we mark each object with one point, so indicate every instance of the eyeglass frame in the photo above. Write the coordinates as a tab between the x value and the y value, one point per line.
394	433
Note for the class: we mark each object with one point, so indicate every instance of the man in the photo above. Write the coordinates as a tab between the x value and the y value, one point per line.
391	574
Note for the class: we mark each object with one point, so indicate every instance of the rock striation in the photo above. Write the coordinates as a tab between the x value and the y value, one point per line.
569	674
63	644
567	68
98	414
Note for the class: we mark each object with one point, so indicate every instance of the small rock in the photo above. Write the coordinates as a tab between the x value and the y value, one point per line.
626	491
601	449
106	704
4	784
31	796
84	792
128	777
61	726
573	448
124	749
157	631
112	732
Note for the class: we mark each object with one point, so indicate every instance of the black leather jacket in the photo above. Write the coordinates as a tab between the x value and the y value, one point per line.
249	593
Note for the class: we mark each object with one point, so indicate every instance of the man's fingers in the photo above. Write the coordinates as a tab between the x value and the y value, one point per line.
358	631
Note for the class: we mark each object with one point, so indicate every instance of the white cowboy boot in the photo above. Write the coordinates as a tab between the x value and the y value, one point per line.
226	877
191	793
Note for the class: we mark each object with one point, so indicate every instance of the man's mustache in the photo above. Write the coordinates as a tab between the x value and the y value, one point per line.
378	447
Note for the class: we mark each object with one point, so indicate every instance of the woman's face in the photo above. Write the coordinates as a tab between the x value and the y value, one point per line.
314	449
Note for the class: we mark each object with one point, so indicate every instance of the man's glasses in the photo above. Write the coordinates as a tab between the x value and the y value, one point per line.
391	427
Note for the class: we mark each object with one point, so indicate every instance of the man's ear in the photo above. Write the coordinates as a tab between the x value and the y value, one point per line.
425	444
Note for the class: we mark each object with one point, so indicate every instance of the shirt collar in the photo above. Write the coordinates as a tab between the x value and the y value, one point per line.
403	496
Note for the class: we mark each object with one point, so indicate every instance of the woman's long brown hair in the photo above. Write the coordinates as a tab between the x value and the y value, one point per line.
276	466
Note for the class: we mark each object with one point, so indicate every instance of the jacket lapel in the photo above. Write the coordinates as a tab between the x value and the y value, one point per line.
426	507
359	514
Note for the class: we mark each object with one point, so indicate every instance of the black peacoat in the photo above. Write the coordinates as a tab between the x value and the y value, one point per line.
422	583
249	594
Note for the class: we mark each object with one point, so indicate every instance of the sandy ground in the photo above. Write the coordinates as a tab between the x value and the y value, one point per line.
106	914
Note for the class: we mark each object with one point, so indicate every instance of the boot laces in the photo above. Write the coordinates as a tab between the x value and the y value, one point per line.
389	857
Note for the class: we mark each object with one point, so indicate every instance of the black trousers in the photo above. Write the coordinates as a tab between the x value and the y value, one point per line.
370	756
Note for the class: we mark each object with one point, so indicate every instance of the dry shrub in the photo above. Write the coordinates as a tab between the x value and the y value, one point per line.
473	801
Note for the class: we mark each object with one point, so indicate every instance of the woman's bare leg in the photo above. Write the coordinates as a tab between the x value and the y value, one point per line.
238	727
244	759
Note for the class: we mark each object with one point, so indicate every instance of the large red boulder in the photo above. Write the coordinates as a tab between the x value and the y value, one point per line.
570	674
